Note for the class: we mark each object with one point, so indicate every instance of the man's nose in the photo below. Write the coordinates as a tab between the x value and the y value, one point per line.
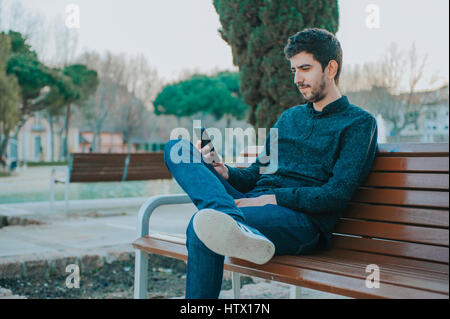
298	78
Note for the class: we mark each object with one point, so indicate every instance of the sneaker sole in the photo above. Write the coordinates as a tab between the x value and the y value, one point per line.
221	234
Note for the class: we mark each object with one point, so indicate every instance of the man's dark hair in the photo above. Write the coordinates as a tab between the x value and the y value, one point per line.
322	44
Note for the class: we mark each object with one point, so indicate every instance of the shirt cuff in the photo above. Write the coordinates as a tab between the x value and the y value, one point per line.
231	173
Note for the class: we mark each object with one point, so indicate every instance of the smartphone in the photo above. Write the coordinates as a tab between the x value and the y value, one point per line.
201	134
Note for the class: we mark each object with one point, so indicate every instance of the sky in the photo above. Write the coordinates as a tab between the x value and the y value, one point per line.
179	35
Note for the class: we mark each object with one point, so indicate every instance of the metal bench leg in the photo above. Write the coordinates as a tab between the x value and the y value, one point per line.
141	261
236	284
295	292
141	275
67	191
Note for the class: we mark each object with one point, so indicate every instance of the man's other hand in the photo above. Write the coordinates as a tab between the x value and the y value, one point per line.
256	201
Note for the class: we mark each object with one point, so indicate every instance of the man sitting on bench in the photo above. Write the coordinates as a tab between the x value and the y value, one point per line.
326	149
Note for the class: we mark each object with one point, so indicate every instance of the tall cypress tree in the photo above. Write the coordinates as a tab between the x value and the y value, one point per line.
257	31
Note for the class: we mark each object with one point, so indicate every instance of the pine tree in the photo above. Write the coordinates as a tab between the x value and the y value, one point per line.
257	31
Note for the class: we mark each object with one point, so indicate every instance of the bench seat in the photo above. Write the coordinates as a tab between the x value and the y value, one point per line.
339	271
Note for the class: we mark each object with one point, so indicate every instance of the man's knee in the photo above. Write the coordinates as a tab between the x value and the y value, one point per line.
168	148
180	150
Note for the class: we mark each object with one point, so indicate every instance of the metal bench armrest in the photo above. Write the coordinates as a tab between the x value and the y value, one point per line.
151	204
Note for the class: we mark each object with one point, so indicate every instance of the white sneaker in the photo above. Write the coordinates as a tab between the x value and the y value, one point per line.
224	236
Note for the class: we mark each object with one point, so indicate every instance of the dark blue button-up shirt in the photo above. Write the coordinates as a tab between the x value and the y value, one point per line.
323	157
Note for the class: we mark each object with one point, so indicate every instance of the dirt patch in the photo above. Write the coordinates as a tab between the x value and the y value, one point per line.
167	279
22	221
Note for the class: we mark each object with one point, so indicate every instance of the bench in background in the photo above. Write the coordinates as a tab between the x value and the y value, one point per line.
112	167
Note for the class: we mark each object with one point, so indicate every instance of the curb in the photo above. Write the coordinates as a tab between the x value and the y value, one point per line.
7	294
46	265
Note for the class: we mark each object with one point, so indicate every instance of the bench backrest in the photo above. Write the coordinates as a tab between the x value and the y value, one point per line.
402	208
101	167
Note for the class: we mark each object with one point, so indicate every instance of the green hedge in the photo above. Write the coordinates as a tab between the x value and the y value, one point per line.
63	163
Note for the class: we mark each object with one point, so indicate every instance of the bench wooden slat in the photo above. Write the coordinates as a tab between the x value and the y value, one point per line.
148	176
143	165
149	168
98	170
161	247
117	177
97	166
87	178
158	154
100	157
393	248
411	164
402	197
408	180
137	158
393	164
413	149
146	170
396	214
99	175
414	234
437	270
386	150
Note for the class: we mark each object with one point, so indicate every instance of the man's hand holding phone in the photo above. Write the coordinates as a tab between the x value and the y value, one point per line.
208	157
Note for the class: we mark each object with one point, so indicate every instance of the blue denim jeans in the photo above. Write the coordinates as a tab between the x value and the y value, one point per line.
291	231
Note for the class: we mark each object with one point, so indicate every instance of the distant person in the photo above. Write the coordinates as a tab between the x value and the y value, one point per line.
326	148
41	153
13	165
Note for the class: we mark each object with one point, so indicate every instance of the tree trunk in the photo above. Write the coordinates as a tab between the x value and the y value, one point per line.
3	145
228	120
50	124
94	143
6	134
66	136
60	138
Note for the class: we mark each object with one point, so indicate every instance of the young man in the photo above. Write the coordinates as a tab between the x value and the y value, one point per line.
325	150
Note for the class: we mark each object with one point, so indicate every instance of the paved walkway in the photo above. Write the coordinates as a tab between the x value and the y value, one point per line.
88	224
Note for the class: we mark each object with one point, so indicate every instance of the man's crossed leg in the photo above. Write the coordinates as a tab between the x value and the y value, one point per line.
221	228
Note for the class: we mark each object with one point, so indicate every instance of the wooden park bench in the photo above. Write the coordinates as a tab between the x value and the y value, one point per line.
110	167
396	226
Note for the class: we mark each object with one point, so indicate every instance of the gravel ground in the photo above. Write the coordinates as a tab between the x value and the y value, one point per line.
167	278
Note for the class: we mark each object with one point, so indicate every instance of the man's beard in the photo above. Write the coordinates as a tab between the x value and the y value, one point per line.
317	94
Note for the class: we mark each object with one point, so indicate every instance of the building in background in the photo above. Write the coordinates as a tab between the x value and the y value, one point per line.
108	142
432	125
33	143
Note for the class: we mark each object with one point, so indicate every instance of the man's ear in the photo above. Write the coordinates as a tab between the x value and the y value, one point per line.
332	69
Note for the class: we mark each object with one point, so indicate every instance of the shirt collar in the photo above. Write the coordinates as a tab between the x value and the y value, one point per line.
334	107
